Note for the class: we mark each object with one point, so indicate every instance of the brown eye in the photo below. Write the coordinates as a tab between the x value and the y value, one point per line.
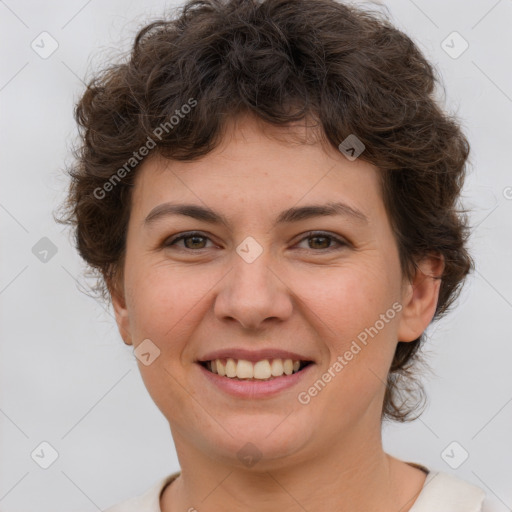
323	244
322	241
192	241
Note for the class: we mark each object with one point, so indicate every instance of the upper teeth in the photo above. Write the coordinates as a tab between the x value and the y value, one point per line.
243	369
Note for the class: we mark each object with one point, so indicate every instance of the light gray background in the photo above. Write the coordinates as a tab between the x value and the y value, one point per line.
66	376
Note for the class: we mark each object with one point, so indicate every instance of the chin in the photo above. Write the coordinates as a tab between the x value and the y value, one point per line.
259	442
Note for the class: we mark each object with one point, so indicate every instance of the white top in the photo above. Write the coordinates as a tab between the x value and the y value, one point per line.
441	492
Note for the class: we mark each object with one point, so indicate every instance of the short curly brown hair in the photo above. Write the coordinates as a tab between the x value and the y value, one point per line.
348	69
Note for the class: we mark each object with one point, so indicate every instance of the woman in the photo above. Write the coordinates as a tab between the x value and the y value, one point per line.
267	191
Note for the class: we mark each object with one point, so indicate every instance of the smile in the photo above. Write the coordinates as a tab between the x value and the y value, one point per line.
257	381
266	369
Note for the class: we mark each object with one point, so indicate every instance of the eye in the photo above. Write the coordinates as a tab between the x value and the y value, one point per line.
321	239
197	241
194	236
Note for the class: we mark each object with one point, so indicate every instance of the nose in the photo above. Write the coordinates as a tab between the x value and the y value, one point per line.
253	293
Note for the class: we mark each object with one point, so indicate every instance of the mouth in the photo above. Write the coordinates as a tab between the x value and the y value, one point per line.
263	370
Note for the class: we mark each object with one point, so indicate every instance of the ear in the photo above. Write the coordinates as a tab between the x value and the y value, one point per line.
117	295
419	298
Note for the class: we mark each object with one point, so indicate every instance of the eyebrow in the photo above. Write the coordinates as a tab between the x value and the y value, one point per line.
295	214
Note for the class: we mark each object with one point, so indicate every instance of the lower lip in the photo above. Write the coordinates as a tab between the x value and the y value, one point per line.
255	388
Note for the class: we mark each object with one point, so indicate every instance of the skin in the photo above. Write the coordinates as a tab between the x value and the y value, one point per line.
302	294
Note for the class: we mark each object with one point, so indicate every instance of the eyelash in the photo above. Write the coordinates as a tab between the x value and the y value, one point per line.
311	234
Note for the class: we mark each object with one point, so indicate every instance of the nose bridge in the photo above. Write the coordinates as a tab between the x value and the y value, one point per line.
251	292
251	269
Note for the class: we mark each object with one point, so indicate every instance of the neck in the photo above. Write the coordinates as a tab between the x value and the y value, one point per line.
353	474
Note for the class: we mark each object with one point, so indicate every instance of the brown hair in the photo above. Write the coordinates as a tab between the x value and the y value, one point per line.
283	61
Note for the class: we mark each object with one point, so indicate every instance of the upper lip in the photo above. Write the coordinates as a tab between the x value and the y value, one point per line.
253	355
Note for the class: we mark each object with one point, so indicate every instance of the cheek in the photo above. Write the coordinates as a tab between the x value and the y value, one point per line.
346	300
157	301
347	306
167	302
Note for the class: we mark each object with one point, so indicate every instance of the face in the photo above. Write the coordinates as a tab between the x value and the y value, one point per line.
311	285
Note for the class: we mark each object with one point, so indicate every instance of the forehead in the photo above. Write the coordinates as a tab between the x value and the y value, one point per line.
260	168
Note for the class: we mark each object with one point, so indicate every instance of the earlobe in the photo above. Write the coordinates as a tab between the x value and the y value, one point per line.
121	312
420	298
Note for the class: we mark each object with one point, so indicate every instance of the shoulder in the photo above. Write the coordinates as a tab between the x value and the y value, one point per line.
443	492
149	501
